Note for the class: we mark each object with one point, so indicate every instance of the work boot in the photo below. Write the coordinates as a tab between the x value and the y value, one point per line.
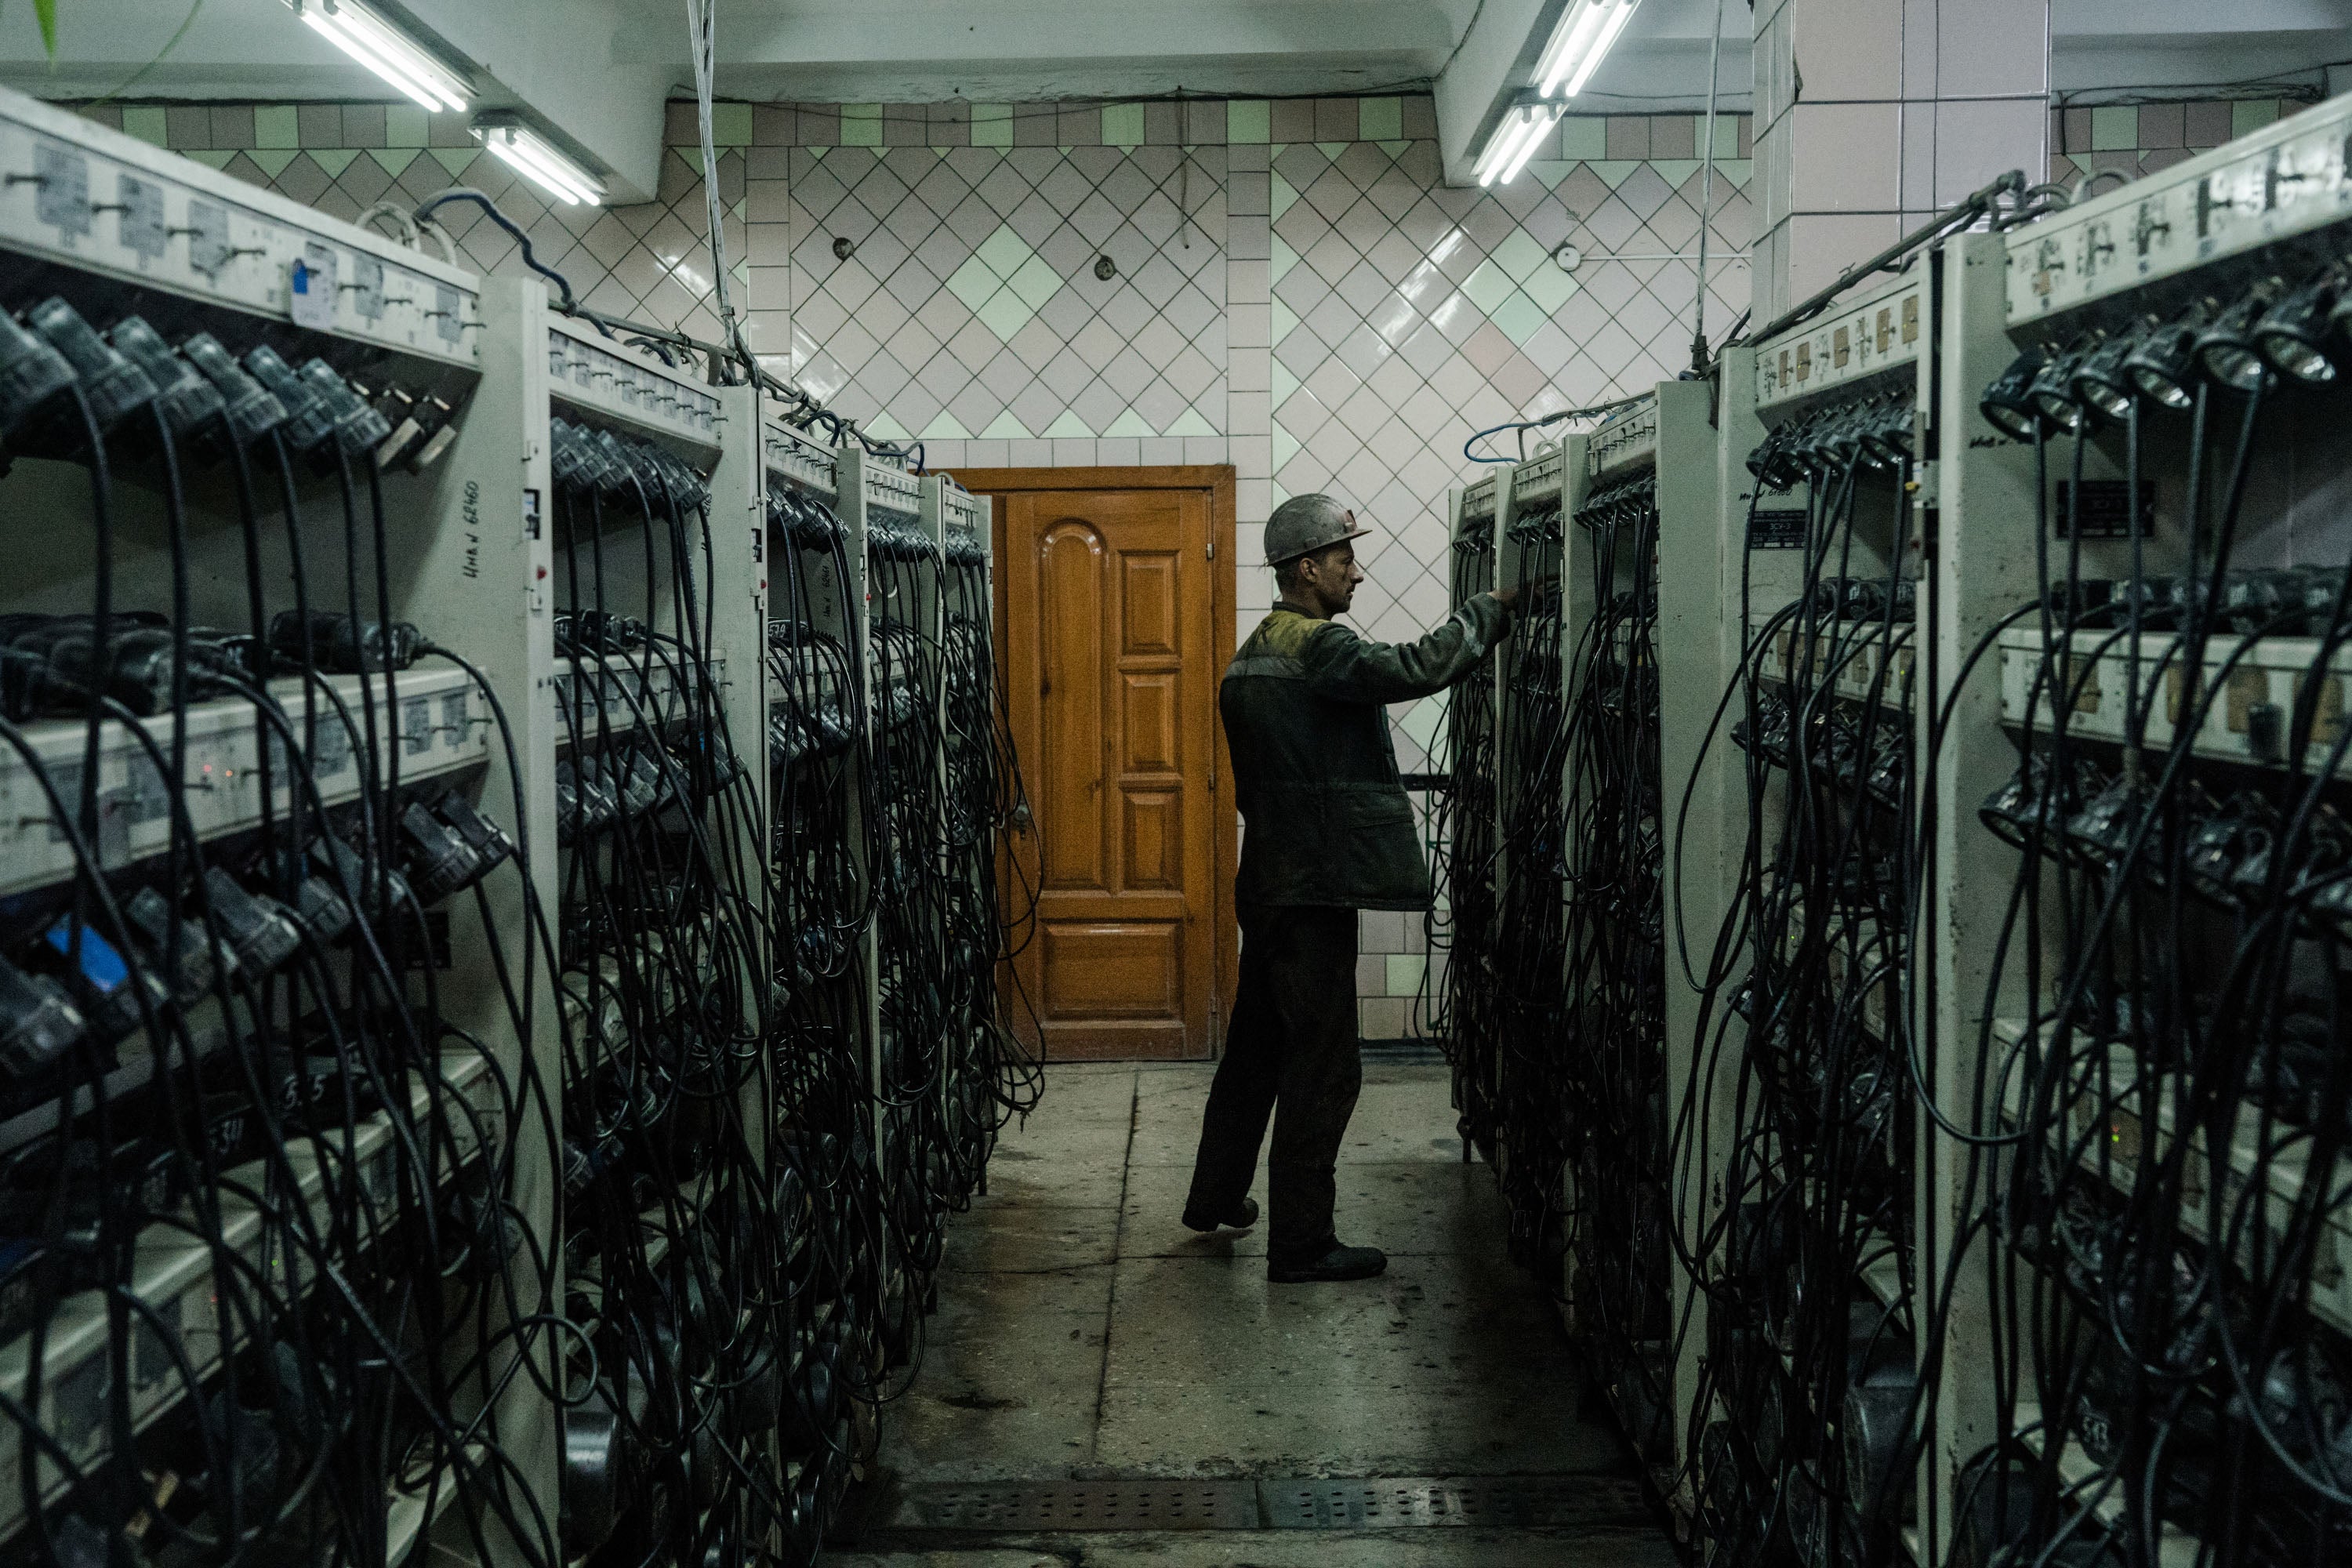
1334	1262
1243	1216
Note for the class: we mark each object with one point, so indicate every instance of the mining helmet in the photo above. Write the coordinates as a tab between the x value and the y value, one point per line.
1305	524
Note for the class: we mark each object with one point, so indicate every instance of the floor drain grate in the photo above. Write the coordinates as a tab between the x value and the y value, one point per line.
1281	1502
1042	1506
1500	1501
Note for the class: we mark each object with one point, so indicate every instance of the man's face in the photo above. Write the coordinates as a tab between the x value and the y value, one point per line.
1330	576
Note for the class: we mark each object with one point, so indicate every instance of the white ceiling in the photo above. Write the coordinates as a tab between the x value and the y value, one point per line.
921	50
597	69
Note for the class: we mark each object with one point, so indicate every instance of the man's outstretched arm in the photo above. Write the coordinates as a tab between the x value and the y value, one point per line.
1342	665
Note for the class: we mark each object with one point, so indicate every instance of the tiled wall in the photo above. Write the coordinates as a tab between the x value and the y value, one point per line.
1294	292
2140	138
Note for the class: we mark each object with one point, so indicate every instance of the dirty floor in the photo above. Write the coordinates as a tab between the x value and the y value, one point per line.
1082	1334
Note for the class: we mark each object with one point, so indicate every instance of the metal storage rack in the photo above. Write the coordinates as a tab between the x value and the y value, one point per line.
2220	238
116	229
1970	676
469	376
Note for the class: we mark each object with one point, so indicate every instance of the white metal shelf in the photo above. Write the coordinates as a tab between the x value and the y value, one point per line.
2116	1152
2240	680
98	202
175	1276
438	725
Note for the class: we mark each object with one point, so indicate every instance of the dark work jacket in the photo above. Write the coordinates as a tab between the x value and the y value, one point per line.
1315	770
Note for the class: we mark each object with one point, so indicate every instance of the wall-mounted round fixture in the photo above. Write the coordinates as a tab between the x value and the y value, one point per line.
1568	258
844	247
1106	268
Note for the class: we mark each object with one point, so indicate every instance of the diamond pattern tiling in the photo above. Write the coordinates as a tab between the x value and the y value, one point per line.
1084	356
1405	314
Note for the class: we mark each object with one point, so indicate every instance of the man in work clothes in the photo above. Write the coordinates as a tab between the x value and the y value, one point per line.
1331	832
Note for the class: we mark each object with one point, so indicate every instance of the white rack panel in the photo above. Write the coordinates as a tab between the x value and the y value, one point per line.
97	201
1627	441
2284	180
800	461
620	693
2237	684
596	375
175	1276
441	724
889	489
1878	330
1480	500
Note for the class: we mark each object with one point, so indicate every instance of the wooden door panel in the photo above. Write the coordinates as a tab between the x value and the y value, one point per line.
1146	603
1147	721
1151	847
1112	663
1069	612
1133	973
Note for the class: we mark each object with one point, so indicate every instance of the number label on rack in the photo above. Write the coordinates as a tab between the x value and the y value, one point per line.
61	189
142	216
367	287
209	242
310	296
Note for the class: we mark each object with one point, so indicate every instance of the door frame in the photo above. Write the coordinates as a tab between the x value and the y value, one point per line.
1224	815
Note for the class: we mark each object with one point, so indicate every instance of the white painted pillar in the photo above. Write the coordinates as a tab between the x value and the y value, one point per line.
1872	114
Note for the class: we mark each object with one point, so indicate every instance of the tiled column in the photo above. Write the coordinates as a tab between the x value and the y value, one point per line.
1249	366
1871	114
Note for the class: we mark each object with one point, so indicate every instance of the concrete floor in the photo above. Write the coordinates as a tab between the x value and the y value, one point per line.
1083	1333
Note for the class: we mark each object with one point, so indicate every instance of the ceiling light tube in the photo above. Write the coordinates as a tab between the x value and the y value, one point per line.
1586	32
1600	50
1501	144
534	160
362	50
389	43
1541	122
526	162
1514	142
539	160
385	50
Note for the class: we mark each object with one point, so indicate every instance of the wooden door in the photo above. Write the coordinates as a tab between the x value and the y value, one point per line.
1110	631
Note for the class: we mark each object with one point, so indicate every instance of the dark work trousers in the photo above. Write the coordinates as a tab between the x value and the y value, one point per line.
1291	1053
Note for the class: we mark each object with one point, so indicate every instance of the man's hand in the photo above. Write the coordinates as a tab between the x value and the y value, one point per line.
1527	599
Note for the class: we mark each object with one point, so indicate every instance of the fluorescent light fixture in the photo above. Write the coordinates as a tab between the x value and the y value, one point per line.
1515	141
1588	29
385	49
538	160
